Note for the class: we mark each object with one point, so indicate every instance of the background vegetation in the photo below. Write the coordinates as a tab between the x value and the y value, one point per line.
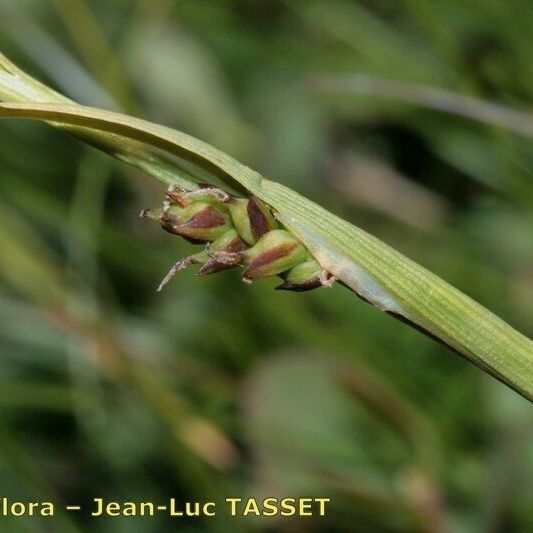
213	388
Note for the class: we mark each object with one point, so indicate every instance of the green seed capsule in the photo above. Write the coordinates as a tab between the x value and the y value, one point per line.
275	252
251	217
303	277
199	222
223	253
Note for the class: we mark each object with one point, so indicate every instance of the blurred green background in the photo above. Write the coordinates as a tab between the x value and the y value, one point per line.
212	388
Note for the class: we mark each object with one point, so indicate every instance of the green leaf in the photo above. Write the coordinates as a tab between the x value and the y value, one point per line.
368	266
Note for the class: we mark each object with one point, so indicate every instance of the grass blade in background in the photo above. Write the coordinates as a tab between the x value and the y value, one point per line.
520	122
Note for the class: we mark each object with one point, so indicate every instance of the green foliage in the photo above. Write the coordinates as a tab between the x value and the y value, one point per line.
113	389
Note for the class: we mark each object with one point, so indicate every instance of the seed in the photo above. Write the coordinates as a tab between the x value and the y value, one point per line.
223	253
275	252
251	217
303	277
199	222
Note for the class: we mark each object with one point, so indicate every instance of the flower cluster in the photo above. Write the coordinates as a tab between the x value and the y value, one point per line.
236	231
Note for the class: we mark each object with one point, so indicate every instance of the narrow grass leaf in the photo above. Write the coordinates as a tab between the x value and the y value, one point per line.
368	266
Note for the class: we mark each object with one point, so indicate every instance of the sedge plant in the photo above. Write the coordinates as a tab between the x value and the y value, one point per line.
242	218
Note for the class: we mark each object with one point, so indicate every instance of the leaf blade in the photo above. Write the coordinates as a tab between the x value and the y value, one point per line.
373	269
